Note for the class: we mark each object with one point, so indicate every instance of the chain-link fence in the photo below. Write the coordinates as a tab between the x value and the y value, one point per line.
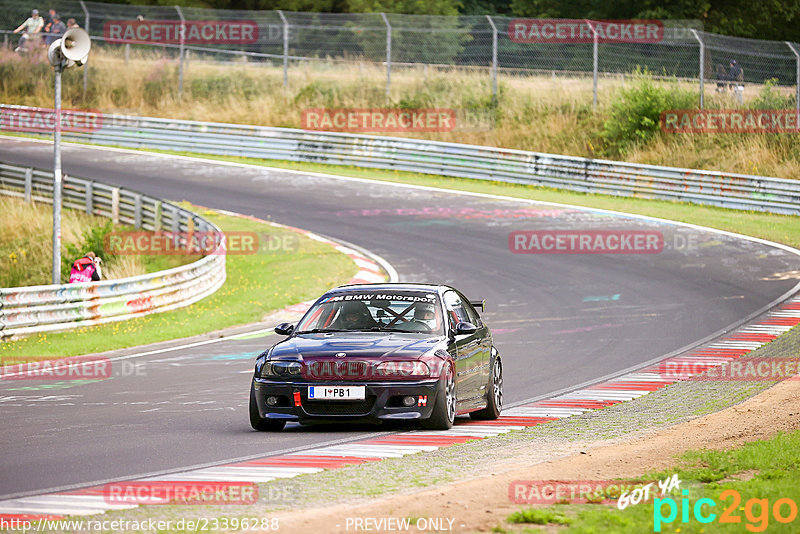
398	47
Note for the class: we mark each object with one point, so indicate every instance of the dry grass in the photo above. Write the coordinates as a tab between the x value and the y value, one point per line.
26	243
540	112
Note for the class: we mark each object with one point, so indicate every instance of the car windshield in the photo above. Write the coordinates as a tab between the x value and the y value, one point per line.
375	311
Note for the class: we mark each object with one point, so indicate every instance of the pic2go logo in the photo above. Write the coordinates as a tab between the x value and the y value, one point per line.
756	511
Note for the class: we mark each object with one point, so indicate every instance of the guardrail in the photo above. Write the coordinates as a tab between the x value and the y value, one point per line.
26	310
736	191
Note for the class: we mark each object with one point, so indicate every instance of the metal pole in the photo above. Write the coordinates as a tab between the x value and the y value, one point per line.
285	49
388	53
595	58
180	51
494	58
85	67
702	64
57	182
796	80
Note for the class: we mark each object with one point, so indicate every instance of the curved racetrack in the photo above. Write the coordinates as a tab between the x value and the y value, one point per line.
559	319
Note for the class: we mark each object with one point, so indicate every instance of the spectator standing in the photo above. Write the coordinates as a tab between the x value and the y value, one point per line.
72	24
57	29
30	31
48	24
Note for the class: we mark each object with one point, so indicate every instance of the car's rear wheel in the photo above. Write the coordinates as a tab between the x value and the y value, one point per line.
258	422
494	395
444	410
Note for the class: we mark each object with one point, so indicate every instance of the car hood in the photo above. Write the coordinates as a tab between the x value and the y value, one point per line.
365	346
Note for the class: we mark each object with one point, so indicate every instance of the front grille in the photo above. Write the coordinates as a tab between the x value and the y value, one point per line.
350	408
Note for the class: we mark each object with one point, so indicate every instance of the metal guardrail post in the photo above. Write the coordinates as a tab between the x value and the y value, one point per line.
28	184
388	54
180	51
494	58
702	68
86	21
137	211
158	214
796	78
176	220
89	198
115	205
285	49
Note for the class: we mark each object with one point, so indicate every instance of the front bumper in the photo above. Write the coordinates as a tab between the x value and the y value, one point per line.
383	401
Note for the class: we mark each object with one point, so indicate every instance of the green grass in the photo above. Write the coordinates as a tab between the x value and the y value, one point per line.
539	516
256	284
767	469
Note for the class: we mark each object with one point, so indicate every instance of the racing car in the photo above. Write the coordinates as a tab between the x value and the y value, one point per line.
378	352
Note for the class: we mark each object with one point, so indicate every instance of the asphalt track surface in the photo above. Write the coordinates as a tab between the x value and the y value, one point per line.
559	319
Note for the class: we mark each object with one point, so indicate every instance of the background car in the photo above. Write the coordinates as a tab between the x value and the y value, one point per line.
380	352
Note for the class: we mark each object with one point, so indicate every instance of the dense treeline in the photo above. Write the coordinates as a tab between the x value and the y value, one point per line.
763	19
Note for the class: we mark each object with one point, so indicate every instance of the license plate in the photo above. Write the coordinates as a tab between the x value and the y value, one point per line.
336	392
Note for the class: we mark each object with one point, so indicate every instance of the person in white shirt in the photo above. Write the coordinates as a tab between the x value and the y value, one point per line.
30	28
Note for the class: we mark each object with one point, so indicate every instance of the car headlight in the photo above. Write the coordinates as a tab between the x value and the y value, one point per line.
281	369
402	369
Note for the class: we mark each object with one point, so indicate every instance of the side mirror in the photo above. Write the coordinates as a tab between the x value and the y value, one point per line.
465	328
284	329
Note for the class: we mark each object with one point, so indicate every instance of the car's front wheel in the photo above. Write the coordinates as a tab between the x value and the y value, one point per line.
444	410
494	395
258	422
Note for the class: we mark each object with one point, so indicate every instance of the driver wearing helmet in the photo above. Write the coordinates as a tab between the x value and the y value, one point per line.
424	313
355	316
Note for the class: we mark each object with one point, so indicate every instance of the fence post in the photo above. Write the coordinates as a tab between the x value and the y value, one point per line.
127	52
494	58
595	61
180	51
28	184
796	79
86	66
285	49
176	220
702	67
158	213
88	201
388	54
137	212
115	205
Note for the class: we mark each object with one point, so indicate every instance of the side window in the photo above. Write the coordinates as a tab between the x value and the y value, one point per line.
472	314
455	308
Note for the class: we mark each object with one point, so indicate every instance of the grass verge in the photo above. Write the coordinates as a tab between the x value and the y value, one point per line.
755	485
256	284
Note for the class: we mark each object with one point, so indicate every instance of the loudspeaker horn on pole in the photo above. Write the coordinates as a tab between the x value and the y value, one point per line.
72	49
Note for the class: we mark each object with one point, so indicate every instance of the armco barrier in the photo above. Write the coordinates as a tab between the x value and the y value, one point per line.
736	191
26	310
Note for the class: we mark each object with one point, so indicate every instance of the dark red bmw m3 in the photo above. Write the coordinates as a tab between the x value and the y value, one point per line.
367	353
